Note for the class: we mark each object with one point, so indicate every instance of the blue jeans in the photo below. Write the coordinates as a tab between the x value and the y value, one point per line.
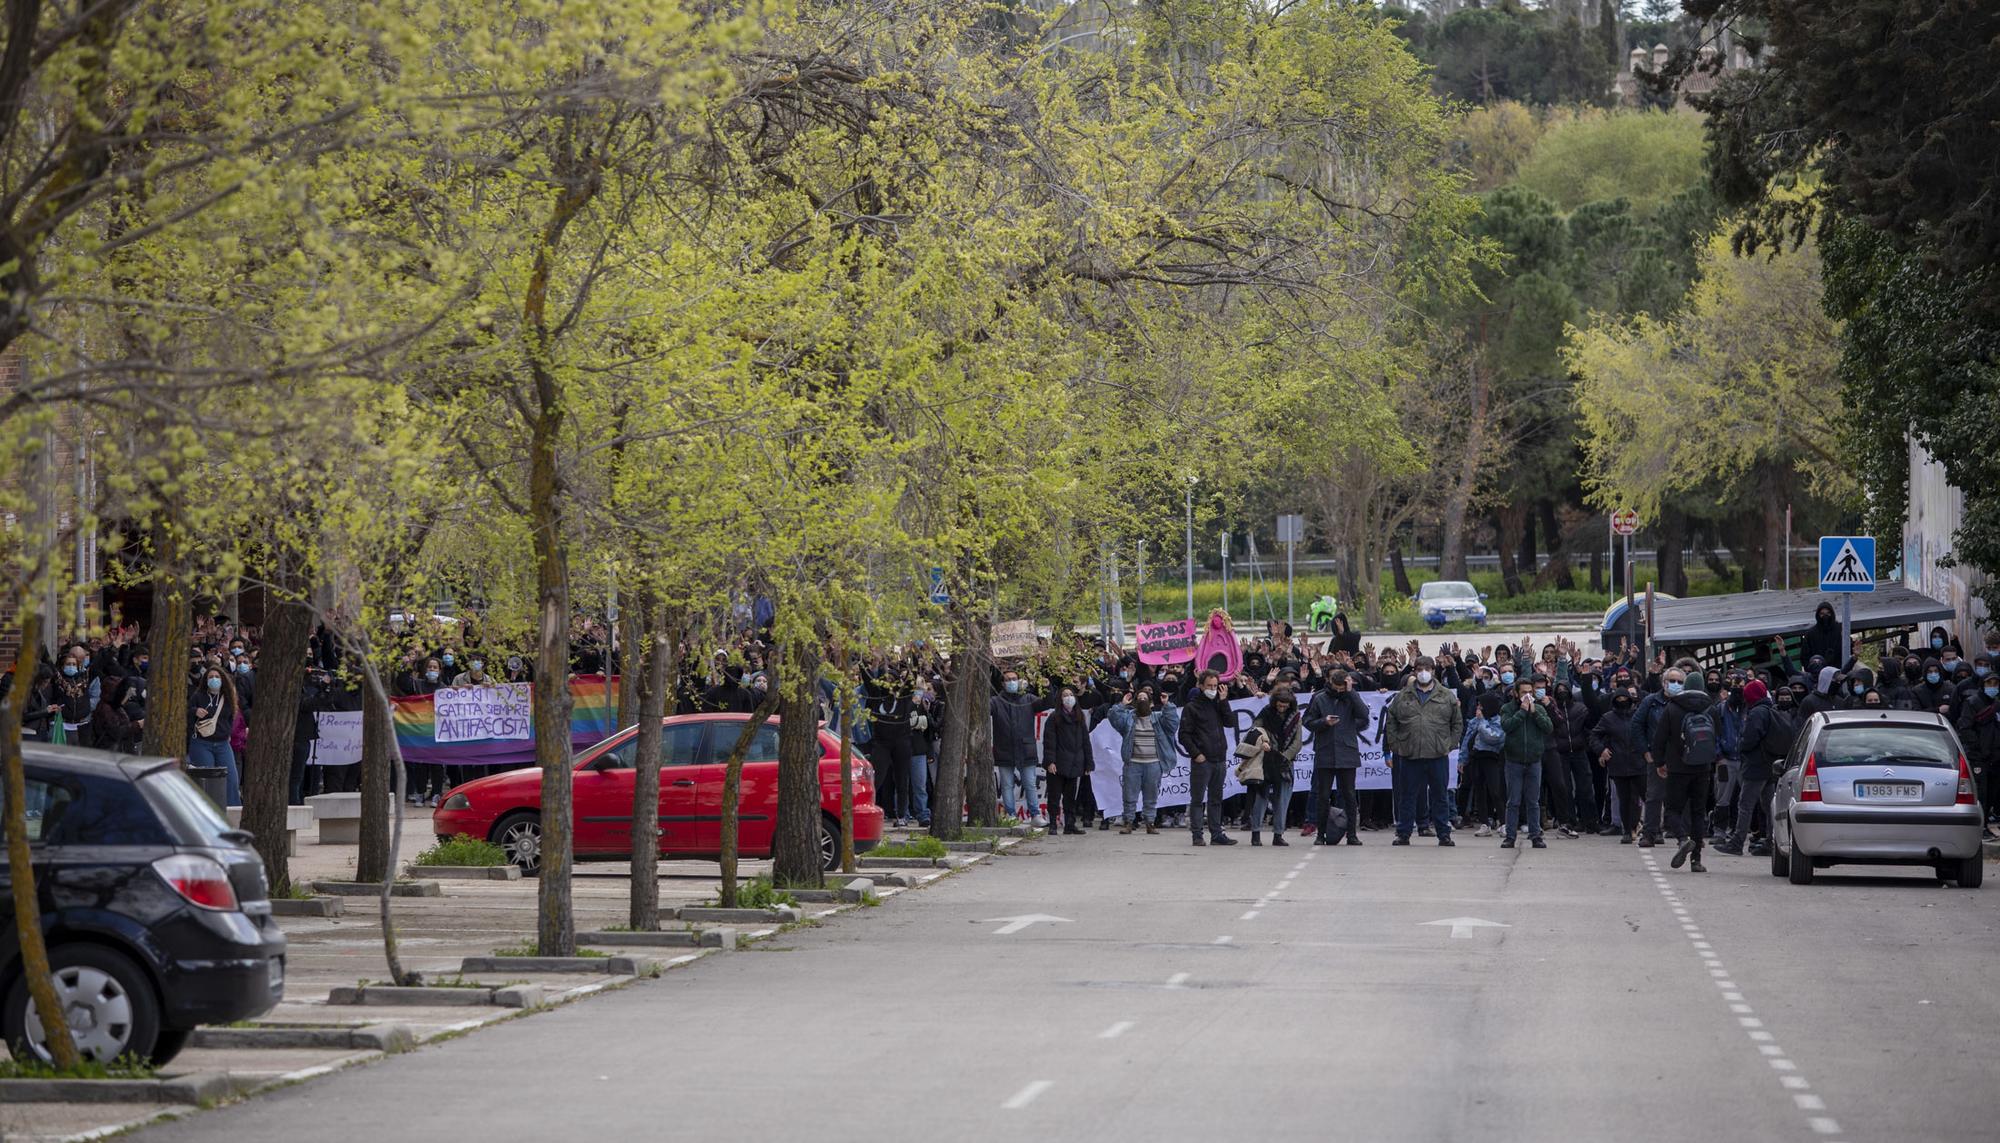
1524	798
1017	788
1142	786
202	752
920	787
1276	795
1423	791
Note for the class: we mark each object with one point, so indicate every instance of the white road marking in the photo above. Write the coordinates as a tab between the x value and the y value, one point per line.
1462	927
1743	1008
1749	1021
1795	1083
1824	1126
1299	868
1224	939
1177	980
1770	1050
1028	1095
1249	916
1809	1102
1116	1030
1016	924
1785	1065
1762	1037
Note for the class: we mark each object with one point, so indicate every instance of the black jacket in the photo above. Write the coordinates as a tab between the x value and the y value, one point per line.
1823	639
1667	749
1750	743
1014	727
1066	742
1614	732
1202	723
1336	747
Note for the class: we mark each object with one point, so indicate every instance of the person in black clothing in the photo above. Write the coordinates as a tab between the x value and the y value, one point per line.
1615	747
1765	737
305	729
1345	638
728	695
887	695
1823	638
1335	718
1204	714
1934	694
1684	756
1066	757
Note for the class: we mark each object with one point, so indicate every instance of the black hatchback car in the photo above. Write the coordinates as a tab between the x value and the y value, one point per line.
156	912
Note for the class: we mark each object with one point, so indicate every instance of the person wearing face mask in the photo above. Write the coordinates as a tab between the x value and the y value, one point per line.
1335	718
1204	713
1525	720
1615	749
1066	756
1644	716
78	694
212	712
1146	733
1685	751
1944	646
1766	737
886	692
1284	732
925	709
1571	743
1823	638
1979	730
1935	691
1013	713
1420	727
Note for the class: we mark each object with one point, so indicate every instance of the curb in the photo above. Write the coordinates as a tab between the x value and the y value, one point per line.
374	888
594	965
374	1037
662	938
201	1087
784	914
308	907
390	995
466	872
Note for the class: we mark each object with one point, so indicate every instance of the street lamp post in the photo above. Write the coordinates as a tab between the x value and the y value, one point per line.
1190	544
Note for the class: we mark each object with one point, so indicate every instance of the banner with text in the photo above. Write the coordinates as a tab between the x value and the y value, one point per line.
339	742
1162	643
1107	780
494	725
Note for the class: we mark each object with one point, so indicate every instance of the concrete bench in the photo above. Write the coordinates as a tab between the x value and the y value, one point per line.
339	817
296	819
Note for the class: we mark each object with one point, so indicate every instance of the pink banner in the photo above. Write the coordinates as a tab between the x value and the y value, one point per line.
1163	643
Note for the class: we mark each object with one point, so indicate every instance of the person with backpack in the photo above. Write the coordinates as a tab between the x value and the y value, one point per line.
1685	748
1480	766
1528	727
1766	736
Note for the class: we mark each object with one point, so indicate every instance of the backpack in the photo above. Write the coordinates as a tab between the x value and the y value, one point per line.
1783	731
1487	735
1698	738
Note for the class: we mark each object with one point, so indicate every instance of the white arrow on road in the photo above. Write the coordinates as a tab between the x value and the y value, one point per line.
1462	927
1016	924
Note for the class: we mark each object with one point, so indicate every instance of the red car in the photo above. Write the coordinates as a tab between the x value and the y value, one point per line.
506	808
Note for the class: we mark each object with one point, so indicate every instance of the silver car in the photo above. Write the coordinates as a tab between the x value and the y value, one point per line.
1876	787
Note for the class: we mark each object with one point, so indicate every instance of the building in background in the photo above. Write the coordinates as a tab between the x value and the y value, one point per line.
1935	512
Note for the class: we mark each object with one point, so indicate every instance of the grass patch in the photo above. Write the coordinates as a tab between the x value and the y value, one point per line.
922	846
760	893
462	850
528	948
124	1067
869	900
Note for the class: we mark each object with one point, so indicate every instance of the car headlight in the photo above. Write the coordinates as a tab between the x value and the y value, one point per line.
456	802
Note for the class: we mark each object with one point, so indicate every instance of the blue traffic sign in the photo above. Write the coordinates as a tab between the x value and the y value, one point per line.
1847	563
938	594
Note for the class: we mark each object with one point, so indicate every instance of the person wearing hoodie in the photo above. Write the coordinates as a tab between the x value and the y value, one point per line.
1013	713
1685	750
1766	736
1335	718
1616	749
1204	714
1067	758
1823	637
1934	689
1822	696
1573	748
1979	730
1529	726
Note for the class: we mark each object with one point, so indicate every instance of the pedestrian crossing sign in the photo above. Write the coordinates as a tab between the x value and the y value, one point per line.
1847	563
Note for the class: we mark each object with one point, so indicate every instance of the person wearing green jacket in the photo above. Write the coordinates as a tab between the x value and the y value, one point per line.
1528	727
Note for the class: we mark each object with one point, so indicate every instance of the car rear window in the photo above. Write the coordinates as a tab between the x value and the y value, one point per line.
186	809
1886	745
89	809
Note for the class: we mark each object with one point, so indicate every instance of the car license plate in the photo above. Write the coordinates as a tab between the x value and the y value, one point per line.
276	967
1889	791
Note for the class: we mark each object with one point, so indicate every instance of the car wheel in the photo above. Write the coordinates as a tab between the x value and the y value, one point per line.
109	1001
1801	871
1781	866
829	843
169	1044
520	834
1971	871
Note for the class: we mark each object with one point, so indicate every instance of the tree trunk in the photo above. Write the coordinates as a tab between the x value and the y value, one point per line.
651	681
1396	565
732	788
274	721
27	901
1530	562
166	731
965	772
795	855
629	665
1670	569
1506	532
1558	548
1458	501
378	778
394	842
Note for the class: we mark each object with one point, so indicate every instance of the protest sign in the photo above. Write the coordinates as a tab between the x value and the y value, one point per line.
480	714
1171	642
1014	639
339	742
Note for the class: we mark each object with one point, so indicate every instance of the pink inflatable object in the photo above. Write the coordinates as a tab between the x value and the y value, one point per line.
1219	651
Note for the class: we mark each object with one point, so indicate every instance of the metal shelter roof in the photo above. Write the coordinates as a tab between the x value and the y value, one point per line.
1712	619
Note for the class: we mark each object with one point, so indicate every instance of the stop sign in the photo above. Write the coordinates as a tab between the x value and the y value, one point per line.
1625	521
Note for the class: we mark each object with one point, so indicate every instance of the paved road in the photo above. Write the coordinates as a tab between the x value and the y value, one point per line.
1220	993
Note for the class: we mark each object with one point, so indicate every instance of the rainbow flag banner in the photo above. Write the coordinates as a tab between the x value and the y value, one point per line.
494	725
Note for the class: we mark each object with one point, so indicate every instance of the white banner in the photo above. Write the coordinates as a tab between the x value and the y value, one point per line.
339	738
482	714
1107	780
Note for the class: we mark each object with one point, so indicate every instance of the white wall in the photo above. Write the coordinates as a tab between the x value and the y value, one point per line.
1935	511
